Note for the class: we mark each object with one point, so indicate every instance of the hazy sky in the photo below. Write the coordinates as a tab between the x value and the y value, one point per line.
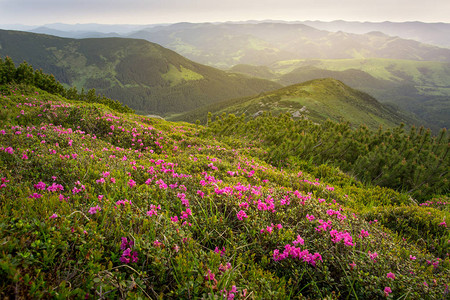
37	12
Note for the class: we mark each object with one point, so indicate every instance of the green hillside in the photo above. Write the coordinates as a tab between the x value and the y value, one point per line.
99	204
316	100
140	74
420	87
255	71
423	73
226	44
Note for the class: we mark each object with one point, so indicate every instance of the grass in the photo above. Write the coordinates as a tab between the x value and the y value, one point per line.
427	73
175	76
317	100
98	204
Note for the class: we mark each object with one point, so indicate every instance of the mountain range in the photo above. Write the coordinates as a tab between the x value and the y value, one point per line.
226	44
420	87
155	80
437	34
317	100
142	75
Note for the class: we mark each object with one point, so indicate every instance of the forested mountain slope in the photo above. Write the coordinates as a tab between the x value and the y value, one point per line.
140	74
316	100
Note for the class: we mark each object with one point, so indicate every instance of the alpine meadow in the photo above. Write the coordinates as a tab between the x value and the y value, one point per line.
224	159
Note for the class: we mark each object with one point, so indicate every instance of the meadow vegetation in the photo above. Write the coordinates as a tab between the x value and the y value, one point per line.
316	100
98	203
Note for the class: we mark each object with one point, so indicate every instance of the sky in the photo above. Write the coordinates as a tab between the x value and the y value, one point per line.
39	12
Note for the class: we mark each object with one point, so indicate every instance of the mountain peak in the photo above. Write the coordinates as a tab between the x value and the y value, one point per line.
318	100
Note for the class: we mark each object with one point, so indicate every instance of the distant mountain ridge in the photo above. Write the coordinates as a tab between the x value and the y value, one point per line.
437	34
227	44
317	100
420	87
142	75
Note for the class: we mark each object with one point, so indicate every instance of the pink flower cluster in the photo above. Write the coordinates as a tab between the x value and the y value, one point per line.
153	210
324	226
35	196
364	233
127	256
270	228
9	150
4	182
299	240
229	295
123	203
94	210
310	217
373	256
76	190
298	253
337	236
221	252
337	213
183	199
241	215
387	291
55	187
40	186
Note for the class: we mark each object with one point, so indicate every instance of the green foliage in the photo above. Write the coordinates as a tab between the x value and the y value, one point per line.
316	100
142	75
423	226
413	161
25	74
417	87
95	203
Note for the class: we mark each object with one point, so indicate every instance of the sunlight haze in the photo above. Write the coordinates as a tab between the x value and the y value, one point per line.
31	12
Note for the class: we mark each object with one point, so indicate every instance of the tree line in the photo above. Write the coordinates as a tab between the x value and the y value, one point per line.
413	161
26	74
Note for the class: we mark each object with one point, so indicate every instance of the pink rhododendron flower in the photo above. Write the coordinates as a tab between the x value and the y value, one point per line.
299	240
153	210
40	186
94	210
364	233
131	183
221	252
241	215
373	256
387	291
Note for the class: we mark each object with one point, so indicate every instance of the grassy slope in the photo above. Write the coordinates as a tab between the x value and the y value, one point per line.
71	205
423	73
142	75
317	100
420	87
